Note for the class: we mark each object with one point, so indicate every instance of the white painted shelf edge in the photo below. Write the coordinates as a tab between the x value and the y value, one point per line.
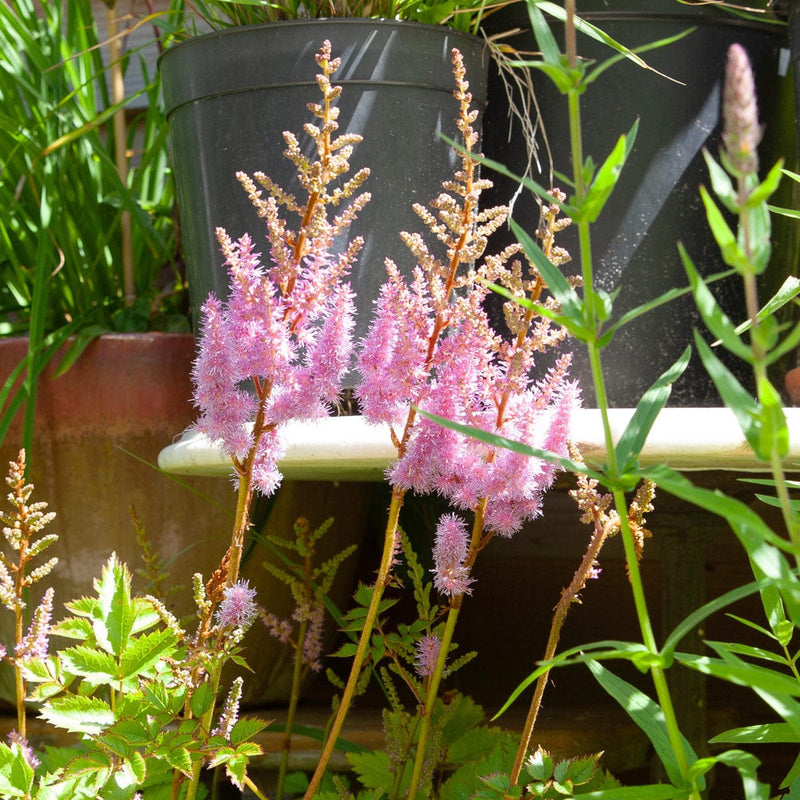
348	448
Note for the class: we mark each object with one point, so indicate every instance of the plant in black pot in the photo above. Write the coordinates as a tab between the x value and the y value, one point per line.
231	93
658	202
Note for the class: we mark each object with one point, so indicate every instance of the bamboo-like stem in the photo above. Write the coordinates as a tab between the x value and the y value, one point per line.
121	149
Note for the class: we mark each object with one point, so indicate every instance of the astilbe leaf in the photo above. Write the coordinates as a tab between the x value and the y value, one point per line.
78	714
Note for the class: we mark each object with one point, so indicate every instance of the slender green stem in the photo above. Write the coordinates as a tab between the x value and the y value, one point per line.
598	380
431	695
292	710
206	720
384	573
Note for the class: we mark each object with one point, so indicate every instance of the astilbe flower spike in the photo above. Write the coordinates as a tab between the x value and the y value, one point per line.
431	346
285	329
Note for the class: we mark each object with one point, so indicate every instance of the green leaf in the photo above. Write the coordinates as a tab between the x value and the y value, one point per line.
179	758
769	733
764	190
635	435
16	775
607	177
742	673
656	791
138	767
78	714
714	317
695	619
788	290
544	37
730	250
758	540
733	394
93	665
746	765
114	618
773	432
572	311
372	768
245	729
202	699
142	653
722	184
647	715
593	32
518	447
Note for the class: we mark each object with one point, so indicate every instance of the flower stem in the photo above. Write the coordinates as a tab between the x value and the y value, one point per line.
294	699
476	543
568	596
384	573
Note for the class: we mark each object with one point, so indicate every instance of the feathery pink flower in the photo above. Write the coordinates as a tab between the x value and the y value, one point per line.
428	649
450	550
238	608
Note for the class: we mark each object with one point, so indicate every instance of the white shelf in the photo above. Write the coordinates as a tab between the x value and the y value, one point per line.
347	448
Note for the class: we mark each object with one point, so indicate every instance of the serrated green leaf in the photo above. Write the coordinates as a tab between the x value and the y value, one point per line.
581	770
39	669
78	714
114	616
132	730
73	628
246	728
179	758
372	768
138	767
94	666
143	652
16	775
202	699
236	769
540	765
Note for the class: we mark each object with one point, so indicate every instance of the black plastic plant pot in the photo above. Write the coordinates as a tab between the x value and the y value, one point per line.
656	203
230	95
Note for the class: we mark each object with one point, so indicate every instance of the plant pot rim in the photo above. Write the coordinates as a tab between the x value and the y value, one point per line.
374	22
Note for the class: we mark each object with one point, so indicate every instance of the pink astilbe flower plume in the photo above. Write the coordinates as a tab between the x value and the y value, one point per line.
450	550
431	347
279	346
428	648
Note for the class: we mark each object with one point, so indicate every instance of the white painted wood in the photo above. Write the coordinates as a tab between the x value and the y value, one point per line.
347	448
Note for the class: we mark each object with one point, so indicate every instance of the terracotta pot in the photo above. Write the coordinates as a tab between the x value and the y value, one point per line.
99	429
